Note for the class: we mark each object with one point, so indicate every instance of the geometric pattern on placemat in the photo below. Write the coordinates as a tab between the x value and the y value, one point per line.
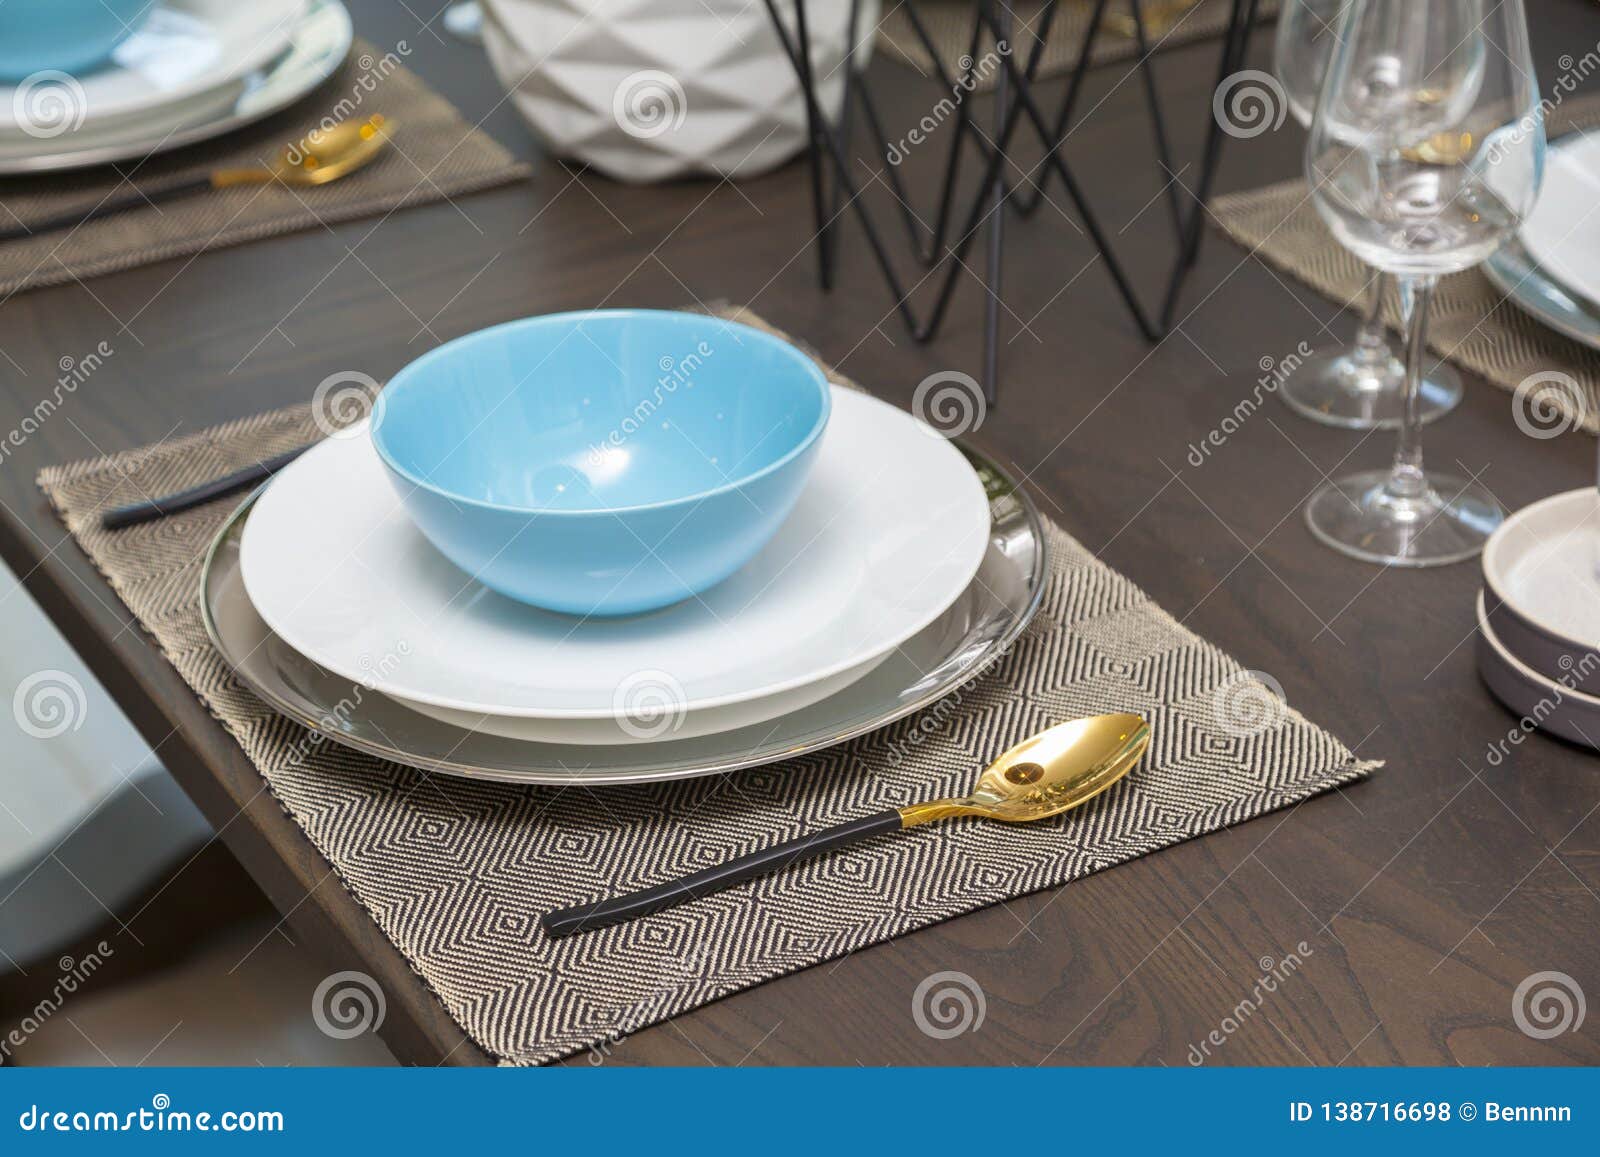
434	155
457	873
949	25
1471	323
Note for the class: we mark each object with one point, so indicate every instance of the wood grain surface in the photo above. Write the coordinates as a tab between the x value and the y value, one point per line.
1423	897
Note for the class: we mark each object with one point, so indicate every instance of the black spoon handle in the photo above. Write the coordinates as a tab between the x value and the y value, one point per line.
150	509
106	208
586	917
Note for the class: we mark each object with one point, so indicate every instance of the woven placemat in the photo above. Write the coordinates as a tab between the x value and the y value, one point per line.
458	873
1471	323
436	155
1170	24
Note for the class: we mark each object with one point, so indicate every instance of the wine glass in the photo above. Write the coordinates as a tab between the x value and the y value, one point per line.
464	21
1425	155
1362	386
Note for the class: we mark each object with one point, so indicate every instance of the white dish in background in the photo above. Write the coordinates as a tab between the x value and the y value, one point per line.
1549	705
1563	232
888	534
184	50
1541	571
317	40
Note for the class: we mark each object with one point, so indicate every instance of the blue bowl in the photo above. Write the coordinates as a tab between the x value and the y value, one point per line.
72	36
603	463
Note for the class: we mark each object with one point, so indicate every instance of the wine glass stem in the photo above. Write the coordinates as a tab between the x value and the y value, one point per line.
1372	339
1406	479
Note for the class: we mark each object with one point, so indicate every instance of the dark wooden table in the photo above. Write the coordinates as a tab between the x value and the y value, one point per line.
1424	896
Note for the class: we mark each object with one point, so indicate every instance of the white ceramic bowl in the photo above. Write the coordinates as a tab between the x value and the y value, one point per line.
1540	703
1541	576
703	89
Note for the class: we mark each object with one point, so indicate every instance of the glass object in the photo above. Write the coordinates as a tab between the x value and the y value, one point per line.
1425	155
465	21
1362	386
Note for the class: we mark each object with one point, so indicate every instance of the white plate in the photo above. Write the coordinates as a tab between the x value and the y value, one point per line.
184	50
1562	233
888	533
964	642
650	721
318	41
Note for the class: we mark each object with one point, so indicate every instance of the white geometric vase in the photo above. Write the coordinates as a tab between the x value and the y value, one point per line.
648	90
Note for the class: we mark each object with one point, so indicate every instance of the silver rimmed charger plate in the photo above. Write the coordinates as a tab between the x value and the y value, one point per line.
318	44
955	648
1513	271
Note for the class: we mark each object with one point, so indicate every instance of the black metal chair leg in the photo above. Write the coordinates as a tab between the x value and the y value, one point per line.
915	228
1091	222
947	190
1235	45
852	85
997	225
816	124
965	128
1015	104
1158	123
1069	103
830	145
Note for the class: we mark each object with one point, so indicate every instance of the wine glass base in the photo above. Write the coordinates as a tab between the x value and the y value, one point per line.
1449	522
1337	388
465	21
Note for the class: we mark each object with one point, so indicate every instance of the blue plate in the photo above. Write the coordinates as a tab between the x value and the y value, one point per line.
606	462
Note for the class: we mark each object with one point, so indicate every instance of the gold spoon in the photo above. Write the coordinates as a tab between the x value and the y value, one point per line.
1449	148
1158	19
1040	777
322	156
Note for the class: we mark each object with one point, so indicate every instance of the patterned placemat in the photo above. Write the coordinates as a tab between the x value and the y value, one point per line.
435	155
458	873
1471	322
1168	24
